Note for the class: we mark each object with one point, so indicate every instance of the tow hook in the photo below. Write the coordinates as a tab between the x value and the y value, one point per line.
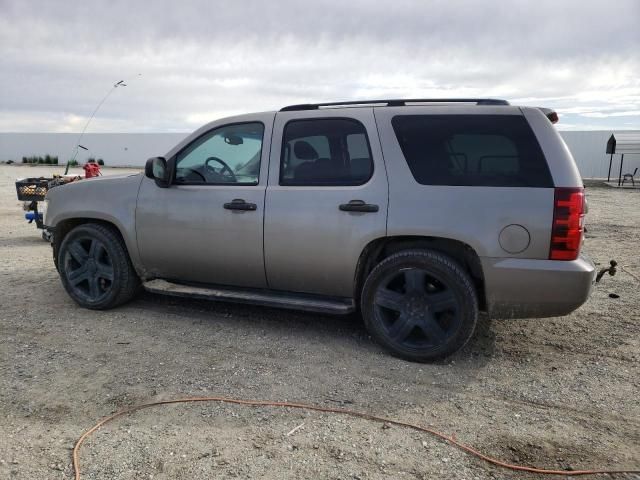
611	270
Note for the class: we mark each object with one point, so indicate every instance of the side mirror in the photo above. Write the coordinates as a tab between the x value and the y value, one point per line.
156	168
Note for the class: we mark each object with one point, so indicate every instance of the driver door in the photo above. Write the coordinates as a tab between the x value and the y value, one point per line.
207	226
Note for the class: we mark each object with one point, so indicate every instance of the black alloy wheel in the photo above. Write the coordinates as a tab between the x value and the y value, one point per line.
95	268
420	304
88	268
416	309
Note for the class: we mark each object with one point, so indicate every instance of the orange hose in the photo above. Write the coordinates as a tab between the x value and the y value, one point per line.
316	408
624	269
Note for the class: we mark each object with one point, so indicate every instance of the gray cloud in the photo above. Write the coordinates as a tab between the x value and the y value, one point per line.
202	60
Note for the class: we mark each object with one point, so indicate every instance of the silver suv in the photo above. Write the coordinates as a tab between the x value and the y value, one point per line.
417	213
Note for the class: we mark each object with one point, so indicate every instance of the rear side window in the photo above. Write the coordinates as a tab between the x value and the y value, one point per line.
472	150
325	152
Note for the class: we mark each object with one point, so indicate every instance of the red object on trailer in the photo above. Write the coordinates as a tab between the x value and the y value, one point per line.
91	169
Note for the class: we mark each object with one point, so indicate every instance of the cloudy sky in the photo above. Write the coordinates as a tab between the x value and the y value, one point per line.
188	62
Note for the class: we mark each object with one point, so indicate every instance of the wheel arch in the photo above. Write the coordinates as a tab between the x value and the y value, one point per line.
379	249
63	227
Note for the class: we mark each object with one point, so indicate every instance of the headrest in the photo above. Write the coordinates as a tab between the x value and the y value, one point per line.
304	150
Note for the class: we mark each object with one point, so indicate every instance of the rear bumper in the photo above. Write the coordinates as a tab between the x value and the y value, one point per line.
521	288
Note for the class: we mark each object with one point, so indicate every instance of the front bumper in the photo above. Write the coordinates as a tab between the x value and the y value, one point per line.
49	232
525	288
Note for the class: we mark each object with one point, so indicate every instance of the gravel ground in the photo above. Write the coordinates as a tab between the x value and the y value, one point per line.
558	392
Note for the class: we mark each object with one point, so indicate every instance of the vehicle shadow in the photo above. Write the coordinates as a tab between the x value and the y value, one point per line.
348	331
246	315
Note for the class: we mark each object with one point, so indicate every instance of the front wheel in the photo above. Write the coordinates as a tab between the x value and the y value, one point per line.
420	305
95	269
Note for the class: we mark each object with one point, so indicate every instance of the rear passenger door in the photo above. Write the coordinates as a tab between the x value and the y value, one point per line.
326	199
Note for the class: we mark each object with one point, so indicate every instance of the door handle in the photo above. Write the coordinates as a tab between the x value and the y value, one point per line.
240	204
358	206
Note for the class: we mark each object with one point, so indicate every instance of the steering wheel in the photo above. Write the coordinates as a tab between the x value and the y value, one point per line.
225	168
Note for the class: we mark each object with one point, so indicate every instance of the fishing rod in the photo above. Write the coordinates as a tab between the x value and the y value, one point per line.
75	154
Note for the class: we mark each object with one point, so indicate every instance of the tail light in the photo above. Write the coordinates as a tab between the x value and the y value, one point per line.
550	114
568	223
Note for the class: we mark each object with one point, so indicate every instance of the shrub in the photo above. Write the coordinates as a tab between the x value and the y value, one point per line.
100	161
24	159
54	160
73	163
40	160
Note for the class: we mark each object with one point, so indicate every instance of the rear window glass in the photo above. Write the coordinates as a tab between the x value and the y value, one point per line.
473	150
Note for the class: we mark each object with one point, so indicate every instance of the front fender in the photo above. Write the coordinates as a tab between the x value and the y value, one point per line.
109	199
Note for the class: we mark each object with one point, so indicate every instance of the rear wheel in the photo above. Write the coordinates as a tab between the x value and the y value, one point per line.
95	269
420	305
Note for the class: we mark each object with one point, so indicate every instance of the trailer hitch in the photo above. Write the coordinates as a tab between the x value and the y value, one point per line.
611	270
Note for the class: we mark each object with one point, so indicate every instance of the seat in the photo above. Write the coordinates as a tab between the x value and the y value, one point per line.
304	151
360	168
330	170
314	169
629	176
433	168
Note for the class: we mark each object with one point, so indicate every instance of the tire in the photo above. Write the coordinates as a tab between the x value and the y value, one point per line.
420	305
95	268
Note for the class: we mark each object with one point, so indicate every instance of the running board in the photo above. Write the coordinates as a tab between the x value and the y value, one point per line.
267	298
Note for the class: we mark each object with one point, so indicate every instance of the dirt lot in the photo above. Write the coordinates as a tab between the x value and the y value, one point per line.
558	392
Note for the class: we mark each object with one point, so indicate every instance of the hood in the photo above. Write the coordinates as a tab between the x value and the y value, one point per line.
110	198
92	184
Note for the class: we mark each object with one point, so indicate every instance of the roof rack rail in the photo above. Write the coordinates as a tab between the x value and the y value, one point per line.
393	103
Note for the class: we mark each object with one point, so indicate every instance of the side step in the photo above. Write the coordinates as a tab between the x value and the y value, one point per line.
267	298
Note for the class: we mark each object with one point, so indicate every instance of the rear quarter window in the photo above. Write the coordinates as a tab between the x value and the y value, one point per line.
472	150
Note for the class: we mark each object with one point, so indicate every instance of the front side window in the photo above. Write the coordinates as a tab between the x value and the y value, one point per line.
226	155
325	152
472	150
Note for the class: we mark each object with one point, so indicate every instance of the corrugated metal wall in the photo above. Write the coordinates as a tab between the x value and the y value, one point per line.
588	149
132	149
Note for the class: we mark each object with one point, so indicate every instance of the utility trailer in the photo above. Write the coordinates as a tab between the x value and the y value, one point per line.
33	190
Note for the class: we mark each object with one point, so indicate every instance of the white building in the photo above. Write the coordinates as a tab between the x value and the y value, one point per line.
132	149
